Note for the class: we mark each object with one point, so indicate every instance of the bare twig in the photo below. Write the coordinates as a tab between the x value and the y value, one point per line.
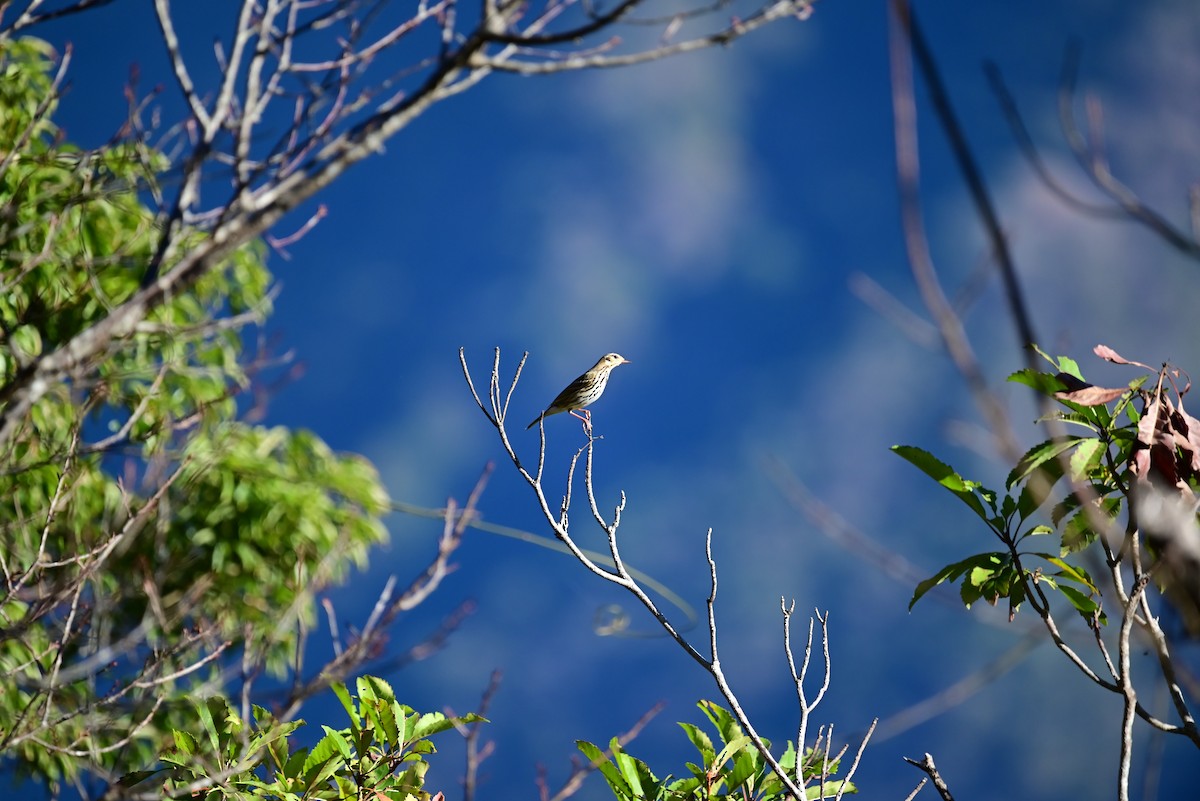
619	575
928	766
1094	160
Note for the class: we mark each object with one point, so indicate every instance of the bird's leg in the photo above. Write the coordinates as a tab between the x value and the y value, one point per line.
586	415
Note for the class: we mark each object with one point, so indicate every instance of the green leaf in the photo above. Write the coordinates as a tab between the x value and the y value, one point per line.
1078	532
1045	383
1039	455
613	776
136	777
327	751
746	763
213	707
388	725
1071	572
1008	507
1086	605
435	722
343	695
27	342
953	572
373	687
185	743
1069	366
632	770
1086	456
946	476
701	741
726	726
296	764
830	789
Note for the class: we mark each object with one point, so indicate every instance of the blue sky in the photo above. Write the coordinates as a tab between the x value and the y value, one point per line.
706	217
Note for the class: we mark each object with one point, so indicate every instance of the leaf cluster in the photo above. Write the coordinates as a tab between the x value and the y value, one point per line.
380	754
731	768
1129	438
152	540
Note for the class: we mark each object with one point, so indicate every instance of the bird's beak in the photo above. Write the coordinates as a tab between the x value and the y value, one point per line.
625	361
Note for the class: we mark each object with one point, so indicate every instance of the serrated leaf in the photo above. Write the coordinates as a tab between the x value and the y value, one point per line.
1071	572
1086	456
731	749
830	789
1086	605
295	765
330	747
1068	365
136	777
1039	455
952	572
701	741
632	771
1037	489
205	711
745	765
387	724
726	726
1008	507
343	695
1078	532
1044	383
945	475
431	723
596	756
185	743
375	687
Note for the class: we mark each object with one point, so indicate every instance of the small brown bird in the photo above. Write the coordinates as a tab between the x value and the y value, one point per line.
583	391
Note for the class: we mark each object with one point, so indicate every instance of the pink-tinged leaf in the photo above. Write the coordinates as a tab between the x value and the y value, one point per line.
1110	355
1190	427
1141	462
1183	429
1162	456
1147	426
1149	422
1091	395
1194	443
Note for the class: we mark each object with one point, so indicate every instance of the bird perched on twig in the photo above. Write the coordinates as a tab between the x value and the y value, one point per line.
583	391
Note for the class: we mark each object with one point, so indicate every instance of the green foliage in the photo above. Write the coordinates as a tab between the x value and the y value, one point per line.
1101	466
735	770
380	755
150	537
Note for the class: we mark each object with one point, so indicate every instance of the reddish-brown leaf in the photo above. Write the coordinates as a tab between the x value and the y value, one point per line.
1147	427
1162	456
1110	355
1141	462
1149	422
1183	427
1091	395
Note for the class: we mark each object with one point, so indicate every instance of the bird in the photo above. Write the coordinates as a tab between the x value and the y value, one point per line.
583	391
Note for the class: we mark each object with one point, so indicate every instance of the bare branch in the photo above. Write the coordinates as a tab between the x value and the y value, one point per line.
931	770
1094	160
